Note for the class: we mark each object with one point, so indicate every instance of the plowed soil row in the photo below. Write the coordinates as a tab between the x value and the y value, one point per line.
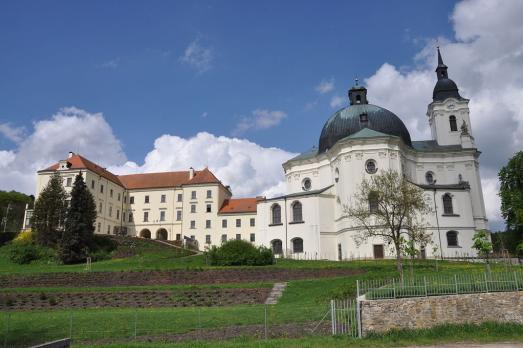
175	277
132	299
291	330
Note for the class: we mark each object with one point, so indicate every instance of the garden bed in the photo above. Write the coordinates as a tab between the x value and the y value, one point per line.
132	299
176	277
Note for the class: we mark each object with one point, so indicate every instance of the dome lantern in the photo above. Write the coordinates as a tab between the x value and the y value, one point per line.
358	94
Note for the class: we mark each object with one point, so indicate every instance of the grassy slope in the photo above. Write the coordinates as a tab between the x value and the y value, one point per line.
303	300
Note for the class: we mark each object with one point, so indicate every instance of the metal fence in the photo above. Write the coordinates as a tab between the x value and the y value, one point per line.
440	285
126	325
345	318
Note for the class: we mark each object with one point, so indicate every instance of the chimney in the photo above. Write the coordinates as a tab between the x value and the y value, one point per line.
191	173
71	154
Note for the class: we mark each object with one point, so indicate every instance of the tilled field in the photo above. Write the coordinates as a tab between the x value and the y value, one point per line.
175	277
132	299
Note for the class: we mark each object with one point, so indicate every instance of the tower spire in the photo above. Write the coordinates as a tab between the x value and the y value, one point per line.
441	69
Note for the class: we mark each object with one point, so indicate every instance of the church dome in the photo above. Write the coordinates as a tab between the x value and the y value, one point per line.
358	116
445	88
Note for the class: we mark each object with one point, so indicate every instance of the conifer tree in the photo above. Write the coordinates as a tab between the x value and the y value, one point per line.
79	224
49	212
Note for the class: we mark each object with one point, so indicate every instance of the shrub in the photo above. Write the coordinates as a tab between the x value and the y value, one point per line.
27	252
240	253
102	247
26	236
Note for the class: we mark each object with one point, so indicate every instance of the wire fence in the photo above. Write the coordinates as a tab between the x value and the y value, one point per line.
437	285
107	325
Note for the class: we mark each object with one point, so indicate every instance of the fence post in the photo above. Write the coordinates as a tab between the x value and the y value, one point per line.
71	327
456	283
486	283
265	312
135	323
333	317
516	281
358	288
7	318
425	284
358	317
394	287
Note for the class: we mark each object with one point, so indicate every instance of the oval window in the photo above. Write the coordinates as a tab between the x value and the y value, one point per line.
429	177
337	175
370	166
306	184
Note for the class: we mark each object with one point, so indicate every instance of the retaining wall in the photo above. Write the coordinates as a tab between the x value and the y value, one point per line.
425	312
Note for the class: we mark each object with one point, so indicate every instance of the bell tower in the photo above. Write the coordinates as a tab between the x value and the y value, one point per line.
449	112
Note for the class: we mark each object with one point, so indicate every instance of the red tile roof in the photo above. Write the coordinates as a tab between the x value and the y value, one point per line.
238	205
79	162
142	181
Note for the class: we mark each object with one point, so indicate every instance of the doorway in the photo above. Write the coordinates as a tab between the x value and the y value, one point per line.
378	251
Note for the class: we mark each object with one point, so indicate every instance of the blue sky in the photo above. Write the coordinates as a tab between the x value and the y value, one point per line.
124	61
241	86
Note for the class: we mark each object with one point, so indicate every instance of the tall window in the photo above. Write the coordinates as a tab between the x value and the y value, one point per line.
193	195
452	238
453	123
178	215
110	211
117	214
193	208
208	208
253	222
101	188
224	223
276	214
100	207
99	227
146	200
162	199
92	186
253	237
447	204
69	182
373	202
130	217
145	216
179	198
297	245
111	193
297	212
193	224
224	238
207	223
238	222
119	197
131	200
162	215
209	194
208	239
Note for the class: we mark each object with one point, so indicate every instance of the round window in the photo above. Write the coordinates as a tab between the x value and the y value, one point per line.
370	166
429	176
306	184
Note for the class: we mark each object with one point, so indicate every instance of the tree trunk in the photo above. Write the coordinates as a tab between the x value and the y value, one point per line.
399	260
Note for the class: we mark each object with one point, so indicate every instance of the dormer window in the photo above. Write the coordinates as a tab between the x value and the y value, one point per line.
364	118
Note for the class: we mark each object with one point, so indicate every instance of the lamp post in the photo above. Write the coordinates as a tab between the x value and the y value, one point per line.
437	220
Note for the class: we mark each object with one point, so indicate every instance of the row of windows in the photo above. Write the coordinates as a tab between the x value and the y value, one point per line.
296	209
296	244
179	197
252	223
252	238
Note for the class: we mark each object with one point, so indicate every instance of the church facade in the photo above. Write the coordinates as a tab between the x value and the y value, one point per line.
356	142
359	141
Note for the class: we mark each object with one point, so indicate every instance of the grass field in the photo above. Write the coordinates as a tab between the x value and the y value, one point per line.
304	301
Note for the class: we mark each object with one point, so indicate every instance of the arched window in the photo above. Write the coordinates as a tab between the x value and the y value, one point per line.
297	212
447	204
297	245
453	123
452	238
373	202
358	99
277	247
429	176
276	214
337	175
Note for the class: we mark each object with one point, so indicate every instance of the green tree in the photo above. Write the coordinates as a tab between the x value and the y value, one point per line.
482	243
389	207
79	224
511	192
49	212
12	209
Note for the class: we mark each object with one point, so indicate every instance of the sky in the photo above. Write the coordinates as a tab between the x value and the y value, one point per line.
242	86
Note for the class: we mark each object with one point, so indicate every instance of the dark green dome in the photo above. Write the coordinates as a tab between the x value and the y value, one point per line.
445	88
355	117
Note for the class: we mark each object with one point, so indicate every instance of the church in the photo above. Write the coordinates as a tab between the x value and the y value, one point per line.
357	142
309	222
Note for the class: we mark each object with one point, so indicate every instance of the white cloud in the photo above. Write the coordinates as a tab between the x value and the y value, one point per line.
110	64
484	58
260	119
248	168
70	129
198	56
336	101
325	86
15	134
